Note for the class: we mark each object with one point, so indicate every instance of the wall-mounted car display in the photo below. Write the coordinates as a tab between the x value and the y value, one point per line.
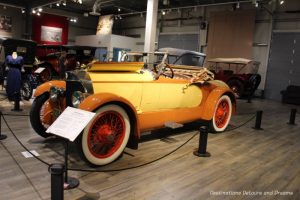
239	73
26	49
129	99
49	56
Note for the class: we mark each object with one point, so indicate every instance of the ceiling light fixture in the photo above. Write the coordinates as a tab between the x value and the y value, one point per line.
23	11
33	11
238	5
119	9
256	4
57	4
163	12
281	2
38	14
40	9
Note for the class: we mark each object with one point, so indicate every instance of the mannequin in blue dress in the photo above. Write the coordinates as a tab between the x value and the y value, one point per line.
14	79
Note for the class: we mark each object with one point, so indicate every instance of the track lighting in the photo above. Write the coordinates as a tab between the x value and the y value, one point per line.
64	3
281	2
33	11
163	12
40	9
57	4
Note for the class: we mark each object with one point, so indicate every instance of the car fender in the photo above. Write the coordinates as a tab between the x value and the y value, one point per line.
45	87
212	99
93	102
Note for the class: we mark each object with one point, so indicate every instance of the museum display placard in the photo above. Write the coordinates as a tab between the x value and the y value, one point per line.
70	123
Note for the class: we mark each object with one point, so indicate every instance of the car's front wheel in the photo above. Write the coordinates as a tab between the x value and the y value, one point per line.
106	136
41	115
222	114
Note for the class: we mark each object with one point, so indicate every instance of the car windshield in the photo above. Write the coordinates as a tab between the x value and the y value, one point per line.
190	59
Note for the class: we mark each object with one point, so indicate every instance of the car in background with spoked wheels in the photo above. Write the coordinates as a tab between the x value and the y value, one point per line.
240	74
129	99
49	56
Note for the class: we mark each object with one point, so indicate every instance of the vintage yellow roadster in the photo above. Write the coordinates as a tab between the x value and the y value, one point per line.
129	100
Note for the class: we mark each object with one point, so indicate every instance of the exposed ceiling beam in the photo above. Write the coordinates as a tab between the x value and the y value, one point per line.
41	3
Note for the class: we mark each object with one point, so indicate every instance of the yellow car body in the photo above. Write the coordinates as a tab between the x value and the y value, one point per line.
149	102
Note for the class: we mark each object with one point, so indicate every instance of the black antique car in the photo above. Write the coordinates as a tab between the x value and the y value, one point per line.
26	49
49	56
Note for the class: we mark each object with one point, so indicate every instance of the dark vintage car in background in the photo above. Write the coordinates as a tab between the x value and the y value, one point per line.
49	56
26	49
239	73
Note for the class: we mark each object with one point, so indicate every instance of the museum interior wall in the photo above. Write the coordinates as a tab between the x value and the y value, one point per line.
183	23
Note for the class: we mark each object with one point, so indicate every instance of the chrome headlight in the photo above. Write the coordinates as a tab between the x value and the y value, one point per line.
53	94
77	98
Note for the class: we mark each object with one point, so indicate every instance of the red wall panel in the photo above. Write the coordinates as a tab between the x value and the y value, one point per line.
51	21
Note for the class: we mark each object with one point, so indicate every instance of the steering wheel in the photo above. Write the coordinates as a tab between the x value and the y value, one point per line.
161	69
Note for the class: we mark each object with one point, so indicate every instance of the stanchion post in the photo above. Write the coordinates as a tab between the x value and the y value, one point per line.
293	116
201	151
2	137
57	181
258	120
70	182
17	102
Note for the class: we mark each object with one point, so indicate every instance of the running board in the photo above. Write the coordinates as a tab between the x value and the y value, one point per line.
173	125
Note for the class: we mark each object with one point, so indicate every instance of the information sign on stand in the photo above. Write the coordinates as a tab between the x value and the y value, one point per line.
70	123
68	126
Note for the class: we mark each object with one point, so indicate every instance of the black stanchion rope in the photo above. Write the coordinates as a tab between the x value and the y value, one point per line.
137	166
114	170
22	143
239	126
32	185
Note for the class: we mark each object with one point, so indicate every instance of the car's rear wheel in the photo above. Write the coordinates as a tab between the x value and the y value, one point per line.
236	86
41	114
222	114
106	136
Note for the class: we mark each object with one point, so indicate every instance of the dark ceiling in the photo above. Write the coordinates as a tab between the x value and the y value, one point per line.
110	6
132	6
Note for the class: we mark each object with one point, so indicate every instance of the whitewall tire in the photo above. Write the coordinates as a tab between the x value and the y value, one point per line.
106	136
222	114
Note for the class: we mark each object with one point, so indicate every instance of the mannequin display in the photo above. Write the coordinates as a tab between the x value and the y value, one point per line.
14	78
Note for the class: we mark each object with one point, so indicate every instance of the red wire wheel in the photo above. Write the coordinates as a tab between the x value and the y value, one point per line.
222	114
106	136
